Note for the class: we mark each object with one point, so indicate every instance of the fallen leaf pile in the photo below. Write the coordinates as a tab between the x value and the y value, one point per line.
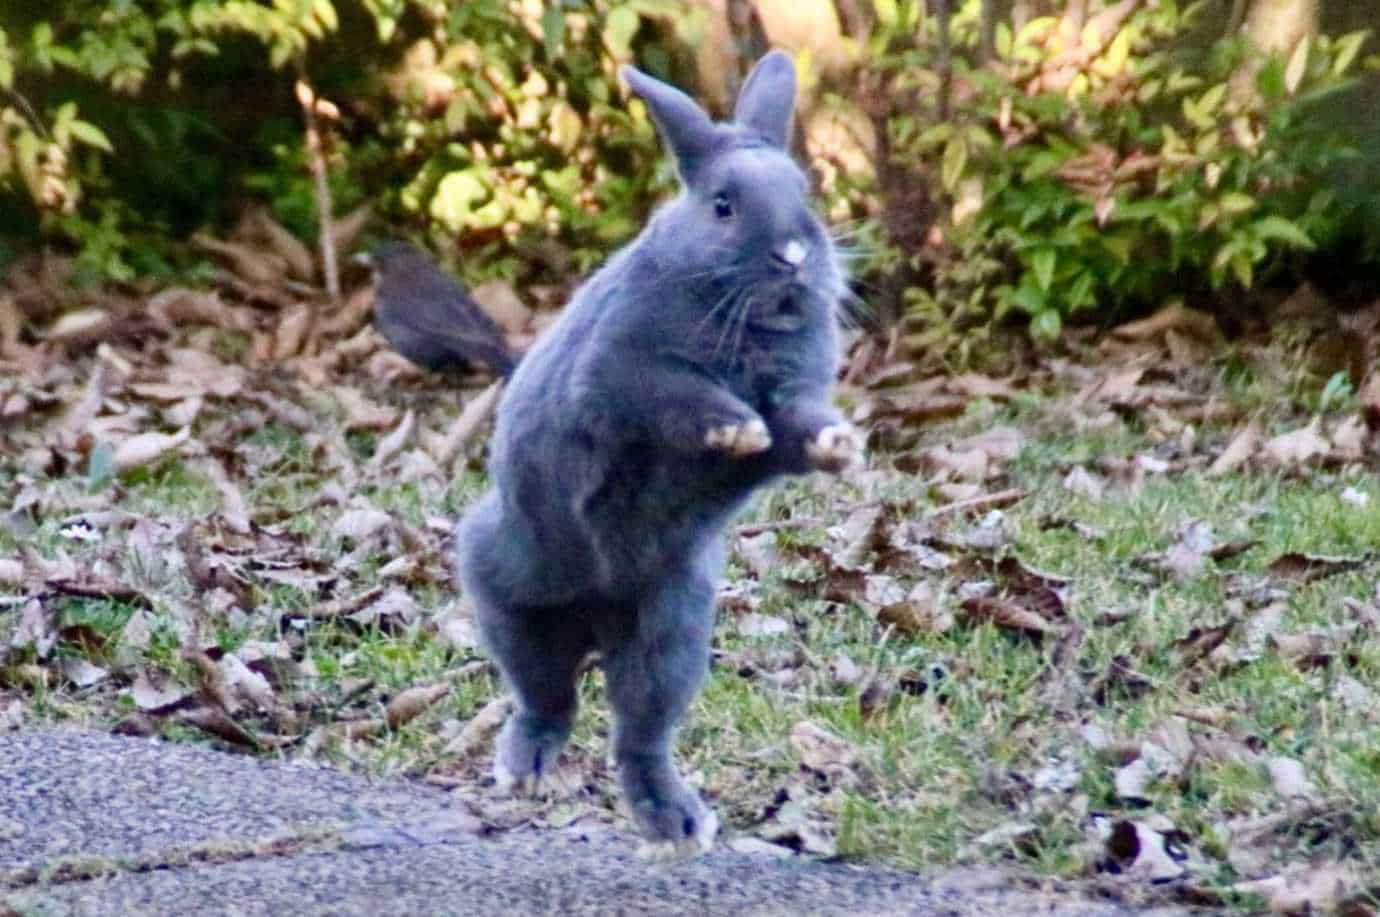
226	514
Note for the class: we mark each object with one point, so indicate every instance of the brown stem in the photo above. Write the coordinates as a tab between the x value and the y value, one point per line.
1238	16
943	57
316	159
988	31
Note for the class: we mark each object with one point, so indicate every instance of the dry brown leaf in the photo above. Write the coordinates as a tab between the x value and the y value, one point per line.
1007	614
351	730
1115	388
1002	444
178	306
361	523
1369	396
411	702
147	448
1132	781
476	411
843	670
969	465
1296	447
1289	778
11	572
346	229
481	728
80	326
1316	889
298	257
1349	440
202	372
1244	445
952	492
391	613
11	321
218	723
83	673
919	613
158	699
759	552
248	687
975	385
256	266
293	329
760	625
390	445
1200	641
1297	567
361	413
1081	482
504	306
820	749
1173	317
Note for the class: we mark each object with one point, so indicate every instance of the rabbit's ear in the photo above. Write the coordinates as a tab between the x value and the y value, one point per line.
684	125
767	99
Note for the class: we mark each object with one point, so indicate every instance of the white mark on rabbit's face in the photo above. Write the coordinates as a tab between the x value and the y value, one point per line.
792	253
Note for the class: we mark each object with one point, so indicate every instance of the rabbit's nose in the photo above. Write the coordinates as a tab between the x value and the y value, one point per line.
789	255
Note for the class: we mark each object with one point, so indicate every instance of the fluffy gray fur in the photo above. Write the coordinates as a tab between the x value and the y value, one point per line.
693	368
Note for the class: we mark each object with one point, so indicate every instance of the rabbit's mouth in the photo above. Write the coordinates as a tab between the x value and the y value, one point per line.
786	311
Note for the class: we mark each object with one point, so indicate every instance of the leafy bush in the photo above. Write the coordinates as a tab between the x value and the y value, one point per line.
1116	166
496	124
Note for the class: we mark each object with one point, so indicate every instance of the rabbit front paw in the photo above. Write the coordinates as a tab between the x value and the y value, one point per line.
739	439
837	447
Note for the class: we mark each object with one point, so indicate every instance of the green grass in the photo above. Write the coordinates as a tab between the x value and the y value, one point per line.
971	732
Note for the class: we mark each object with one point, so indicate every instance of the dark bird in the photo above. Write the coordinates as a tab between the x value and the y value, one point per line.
428	317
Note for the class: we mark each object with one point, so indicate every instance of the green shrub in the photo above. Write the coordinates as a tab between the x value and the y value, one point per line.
1117	169
497	125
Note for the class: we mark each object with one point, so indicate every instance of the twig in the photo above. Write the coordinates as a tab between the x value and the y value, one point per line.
981	502
943	58
316	158
988	31
1238	16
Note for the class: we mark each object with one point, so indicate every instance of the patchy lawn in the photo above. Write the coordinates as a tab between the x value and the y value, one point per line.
1116	618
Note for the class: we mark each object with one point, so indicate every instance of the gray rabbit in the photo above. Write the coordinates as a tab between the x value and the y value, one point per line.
693	368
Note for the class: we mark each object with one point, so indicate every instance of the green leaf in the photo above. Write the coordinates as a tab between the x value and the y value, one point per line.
934	135
1337	389
1042	264
1028	299
619	28
955	160
1298	65
324	11
1212	98
453	203
1347	47
553	30
100	465
1080	294
1241	266
1234	202
1278	228
887	12
91	135
1270	80
1004	40
1046	325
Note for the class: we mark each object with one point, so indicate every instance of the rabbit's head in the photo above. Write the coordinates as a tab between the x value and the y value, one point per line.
742	230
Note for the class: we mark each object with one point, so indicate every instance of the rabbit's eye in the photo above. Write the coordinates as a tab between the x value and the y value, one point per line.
723	208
